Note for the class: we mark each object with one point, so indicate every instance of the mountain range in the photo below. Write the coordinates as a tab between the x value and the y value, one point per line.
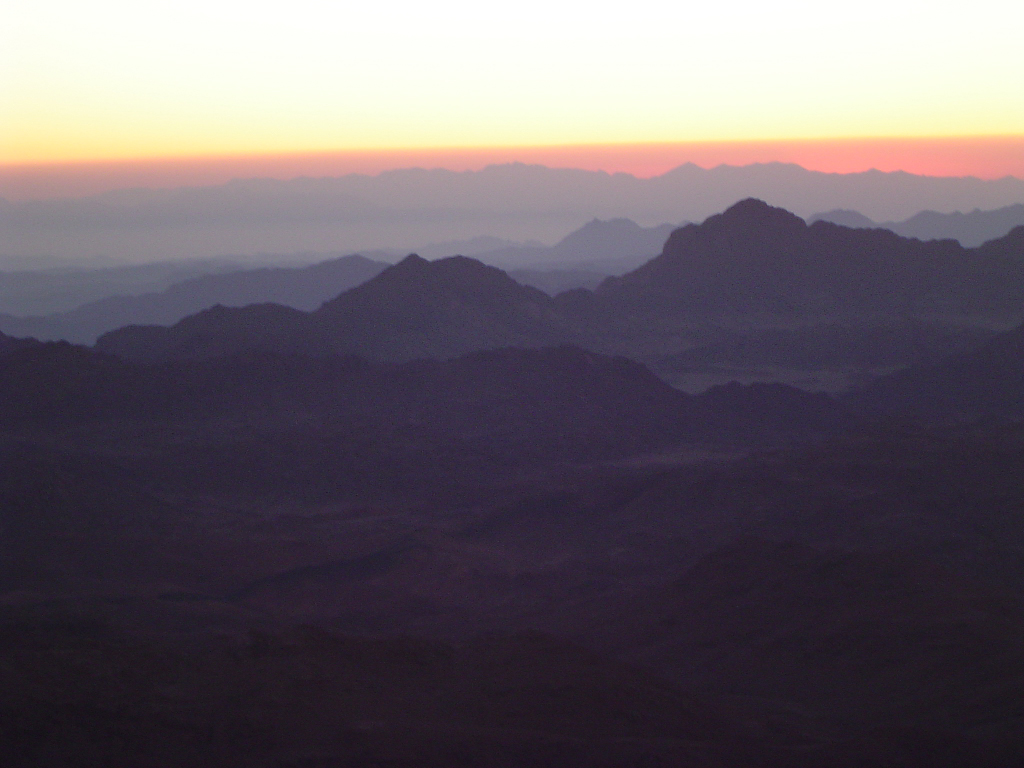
51	290
613	247
758	261
414	206
971	229
751	265
416	308
115	297
300	287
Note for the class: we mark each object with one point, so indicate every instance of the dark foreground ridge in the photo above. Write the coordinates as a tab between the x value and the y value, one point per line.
548	557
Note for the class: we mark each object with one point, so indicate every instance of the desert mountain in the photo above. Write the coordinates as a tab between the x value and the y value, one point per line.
513	403
304	288
756	261
440	309
845	218
541	557
597	250
413	309
752	264
614	246
45	291
971	229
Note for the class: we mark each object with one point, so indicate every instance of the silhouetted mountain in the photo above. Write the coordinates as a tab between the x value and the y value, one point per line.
304	288
844	218
439	309
48	291
613	246
8	344
216	332
971	229
760	262
414	309
604	247
752	264
236	543
611	239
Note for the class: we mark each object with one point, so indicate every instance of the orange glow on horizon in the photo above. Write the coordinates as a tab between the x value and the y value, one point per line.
986	157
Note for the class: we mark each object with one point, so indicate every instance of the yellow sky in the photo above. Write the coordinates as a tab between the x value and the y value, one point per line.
109	79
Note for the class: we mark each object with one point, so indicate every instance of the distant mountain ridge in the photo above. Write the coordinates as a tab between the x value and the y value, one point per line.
303	288
752	263
415	206
616	245
586	257
971	229
416	308
442	308
45	291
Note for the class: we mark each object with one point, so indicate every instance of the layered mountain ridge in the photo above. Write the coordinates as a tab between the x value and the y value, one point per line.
414	206
416	308
752	264
970	229
762	261
302	288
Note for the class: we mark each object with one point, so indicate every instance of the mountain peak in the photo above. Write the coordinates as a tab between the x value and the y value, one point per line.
1014	236
612	238
412	261
844	218
754	220
758	211
417	273
440	308
594	231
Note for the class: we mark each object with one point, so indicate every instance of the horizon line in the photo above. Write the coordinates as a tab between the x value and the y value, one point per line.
987	157
482	148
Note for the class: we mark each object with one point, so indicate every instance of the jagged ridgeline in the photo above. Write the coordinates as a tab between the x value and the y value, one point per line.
752	264
763	262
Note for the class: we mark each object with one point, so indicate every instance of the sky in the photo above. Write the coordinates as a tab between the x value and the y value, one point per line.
92	87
